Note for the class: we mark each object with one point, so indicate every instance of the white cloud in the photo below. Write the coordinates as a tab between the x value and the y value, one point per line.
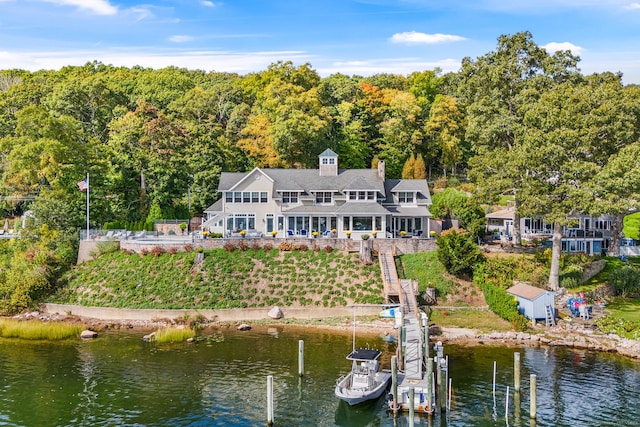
208	3
98	7
553	47
403	66
413	37
180	39
141	13
633	6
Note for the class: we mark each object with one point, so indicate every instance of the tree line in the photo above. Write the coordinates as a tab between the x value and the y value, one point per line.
518	121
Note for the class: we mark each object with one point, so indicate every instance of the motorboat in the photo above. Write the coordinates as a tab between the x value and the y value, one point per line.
365	381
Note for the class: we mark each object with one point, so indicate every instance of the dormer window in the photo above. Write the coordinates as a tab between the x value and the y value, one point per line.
361	195
289	197
324	197
406	197
328	161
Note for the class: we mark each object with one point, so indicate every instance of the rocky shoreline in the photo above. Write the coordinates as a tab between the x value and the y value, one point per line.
564	334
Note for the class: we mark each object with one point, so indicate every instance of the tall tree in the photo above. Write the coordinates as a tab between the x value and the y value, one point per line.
497	89
446	127
571	134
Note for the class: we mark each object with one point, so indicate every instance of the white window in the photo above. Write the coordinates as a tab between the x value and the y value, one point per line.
323	197
405	197
361	195
289	197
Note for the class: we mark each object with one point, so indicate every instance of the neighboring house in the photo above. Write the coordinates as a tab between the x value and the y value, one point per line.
501	221
586	234
297	202
532	301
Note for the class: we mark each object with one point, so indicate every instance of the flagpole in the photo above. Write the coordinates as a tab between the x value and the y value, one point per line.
87	205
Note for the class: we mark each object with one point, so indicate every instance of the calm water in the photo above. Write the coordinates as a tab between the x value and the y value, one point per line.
119	380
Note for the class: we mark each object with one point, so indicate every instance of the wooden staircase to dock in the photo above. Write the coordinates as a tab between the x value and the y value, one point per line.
389	275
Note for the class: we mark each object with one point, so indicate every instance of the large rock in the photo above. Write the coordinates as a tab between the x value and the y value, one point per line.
87	334
275	313
244	327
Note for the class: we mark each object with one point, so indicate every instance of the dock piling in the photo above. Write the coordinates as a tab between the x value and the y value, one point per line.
516	371
532	403
301	357
412	396
269	400
430	384
394	382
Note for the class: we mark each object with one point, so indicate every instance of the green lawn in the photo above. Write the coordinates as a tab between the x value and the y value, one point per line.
631	226
427	270
625	309
484	321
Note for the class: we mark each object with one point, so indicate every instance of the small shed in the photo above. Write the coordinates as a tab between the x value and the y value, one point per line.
532	301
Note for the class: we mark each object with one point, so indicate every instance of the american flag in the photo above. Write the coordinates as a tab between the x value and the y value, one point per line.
82	185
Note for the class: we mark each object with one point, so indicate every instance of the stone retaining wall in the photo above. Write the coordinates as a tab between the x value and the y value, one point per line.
396	246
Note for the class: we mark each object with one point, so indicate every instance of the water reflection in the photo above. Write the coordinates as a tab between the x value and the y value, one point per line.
118	379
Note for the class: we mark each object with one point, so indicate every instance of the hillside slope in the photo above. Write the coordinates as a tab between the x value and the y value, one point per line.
223	279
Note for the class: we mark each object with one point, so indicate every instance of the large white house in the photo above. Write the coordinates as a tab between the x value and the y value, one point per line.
298	202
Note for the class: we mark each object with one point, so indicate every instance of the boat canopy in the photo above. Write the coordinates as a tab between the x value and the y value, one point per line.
364	354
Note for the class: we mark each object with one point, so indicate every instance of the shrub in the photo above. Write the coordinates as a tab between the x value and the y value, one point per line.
157	250
103	248
499	301
286	246
458	252
328	249
625	281
229	247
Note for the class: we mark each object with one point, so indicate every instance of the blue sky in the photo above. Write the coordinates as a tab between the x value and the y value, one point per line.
360	37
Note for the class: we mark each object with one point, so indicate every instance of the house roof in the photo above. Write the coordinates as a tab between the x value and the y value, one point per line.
355	208
409	185
525	291
328	153
309	180
409	210
216	207
501	214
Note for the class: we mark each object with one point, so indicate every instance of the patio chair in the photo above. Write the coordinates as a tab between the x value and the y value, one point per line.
303	233
290	233
326	233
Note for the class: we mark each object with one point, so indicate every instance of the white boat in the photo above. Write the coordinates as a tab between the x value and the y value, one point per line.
365	381
390	313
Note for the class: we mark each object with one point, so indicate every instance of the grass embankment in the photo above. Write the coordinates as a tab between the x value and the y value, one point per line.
36	330
224	279
425	268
